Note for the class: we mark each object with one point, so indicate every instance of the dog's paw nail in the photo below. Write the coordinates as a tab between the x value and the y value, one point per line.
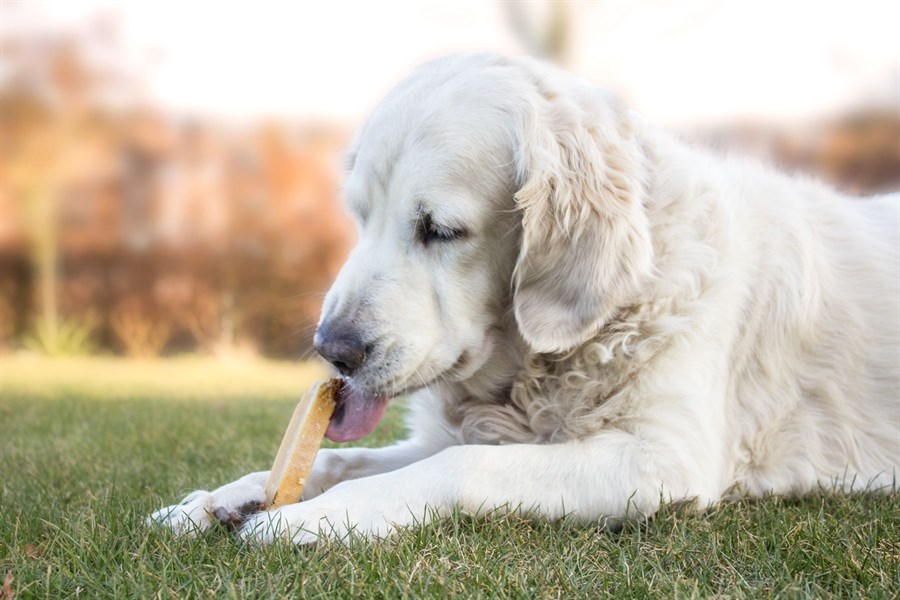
222	514
251	507
228	518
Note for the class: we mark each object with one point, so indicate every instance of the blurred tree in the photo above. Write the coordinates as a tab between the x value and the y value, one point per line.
52	141
148	232
544	28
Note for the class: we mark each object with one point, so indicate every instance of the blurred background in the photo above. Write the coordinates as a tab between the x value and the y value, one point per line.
170	171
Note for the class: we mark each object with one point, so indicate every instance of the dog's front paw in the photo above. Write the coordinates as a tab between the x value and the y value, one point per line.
229	505
354	508
311	521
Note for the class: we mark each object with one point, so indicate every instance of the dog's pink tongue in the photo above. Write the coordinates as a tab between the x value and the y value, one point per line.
356	414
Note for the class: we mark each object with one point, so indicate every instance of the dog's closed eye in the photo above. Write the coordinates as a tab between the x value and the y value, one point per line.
429	232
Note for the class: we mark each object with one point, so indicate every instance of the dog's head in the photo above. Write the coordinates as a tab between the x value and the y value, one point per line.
481	186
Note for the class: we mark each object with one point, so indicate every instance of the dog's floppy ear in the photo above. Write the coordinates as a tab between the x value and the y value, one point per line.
585	238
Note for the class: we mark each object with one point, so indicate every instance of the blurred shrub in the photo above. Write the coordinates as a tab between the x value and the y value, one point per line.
187	234
179	234
858	152
70	337
142	330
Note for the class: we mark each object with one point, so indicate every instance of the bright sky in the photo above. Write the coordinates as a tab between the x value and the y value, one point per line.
679	62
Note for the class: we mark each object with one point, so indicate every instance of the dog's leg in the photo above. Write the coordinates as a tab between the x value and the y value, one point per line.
334	465
233	502
615	475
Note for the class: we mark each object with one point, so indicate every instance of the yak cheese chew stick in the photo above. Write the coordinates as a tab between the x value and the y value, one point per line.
301	444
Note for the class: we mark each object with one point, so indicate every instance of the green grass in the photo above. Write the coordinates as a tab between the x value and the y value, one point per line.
89	447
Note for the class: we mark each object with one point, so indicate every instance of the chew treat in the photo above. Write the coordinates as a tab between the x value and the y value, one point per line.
301	443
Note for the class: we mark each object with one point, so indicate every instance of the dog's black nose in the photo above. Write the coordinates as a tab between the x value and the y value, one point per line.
340	345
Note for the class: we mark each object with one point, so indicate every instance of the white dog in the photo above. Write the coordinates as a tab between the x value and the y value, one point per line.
588	317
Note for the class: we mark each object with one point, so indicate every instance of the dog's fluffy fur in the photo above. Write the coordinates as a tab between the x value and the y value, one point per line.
614	317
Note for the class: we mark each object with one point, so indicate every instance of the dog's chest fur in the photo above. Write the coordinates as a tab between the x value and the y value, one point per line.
559	397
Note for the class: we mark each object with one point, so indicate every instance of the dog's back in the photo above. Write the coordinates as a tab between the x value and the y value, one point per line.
818	390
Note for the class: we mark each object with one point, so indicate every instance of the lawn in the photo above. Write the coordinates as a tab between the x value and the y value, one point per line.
88	447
